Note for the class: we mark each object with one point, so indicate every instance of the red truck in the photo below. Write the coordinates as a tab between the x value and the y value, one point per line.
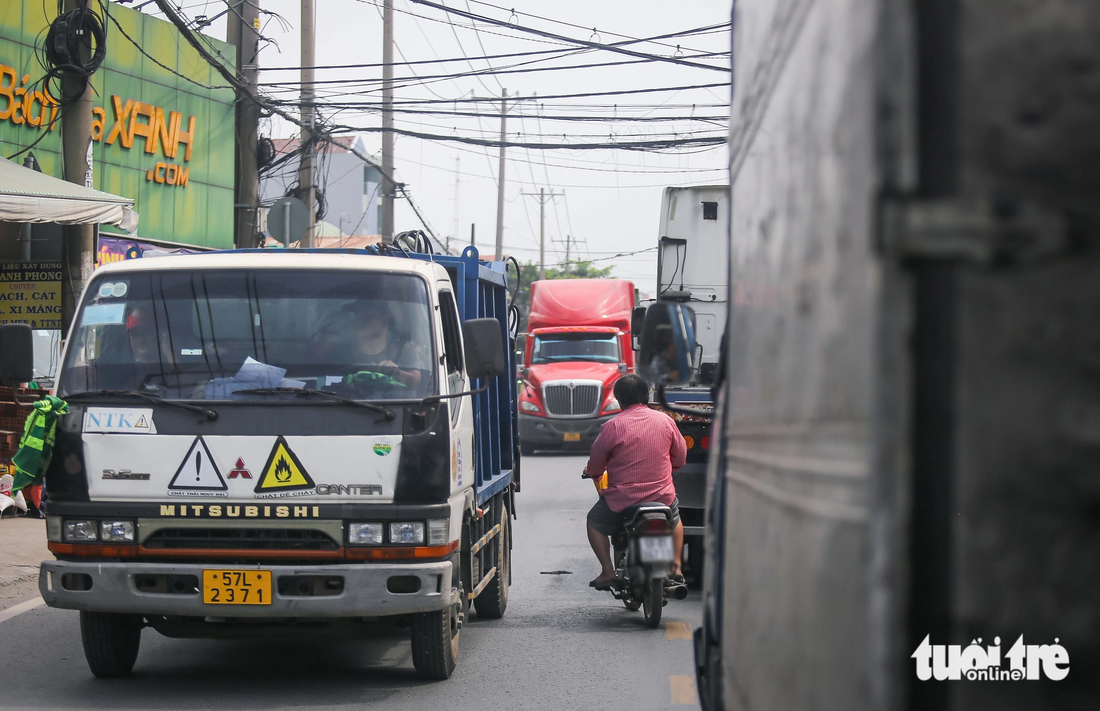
578	345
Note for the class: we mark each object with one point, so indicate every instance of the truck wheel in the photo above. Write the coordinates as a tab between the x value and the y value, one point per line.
653	601
111	642
493	600
435	643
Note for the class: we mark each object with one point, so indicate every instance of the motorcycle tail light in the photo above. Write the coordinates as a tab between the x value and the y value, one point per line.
705	442
656	527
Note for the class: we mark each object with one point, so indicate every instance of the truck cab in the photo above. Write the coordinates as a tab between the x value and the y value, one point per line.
257	440
578	345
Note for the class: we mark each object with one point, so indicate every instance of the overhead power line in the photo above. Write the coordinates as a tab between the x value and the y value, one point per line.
571	40
720	26
629	145
563	52
481	99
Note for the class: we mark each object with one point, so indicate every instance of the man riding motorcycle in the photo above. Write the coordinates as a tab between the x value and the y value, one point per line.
639	449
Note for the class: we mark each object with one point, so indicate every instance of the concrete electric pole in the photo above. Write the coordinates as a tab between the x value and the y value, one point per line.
244	34
307	149
542	226
388	187
78	246
500	176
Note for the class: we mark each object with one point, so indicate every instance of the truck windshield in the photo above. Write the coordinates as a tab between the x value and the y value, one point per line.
209	335
558	347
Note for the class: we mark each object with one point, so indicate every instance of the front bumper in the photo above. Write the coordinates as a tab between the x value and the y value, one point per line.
546	431
113	589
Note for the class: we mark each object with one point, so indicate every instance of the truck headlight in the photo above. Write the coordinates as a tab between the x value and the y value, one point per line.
529	406
364	534
79	531
438	530
407	532
612	406
116	531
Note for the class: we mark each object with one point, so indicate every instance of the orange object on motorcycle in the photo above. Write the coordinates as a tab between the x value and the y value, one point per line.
601	483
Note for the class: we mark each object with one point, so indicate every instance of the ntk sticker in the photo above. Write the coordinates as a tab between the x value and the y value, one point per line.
283	475
382	448
136	420
198	475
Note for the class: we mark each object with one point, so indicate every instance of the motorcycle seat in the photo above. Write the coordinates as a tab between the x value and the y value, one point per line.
632	513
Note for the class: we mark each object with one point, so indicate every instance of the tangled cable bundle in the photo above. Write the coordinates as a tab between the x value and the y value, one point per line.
69	36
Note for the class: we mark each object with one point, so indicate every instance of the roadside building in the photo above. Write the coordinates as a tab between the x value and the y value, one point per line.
348	187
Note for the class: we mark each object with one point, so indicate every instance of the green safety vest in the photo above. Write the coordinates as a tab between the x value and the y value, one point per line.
36	445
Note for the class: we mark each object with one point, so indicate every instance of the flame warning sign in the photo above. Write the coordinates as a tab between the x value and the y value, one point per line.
283	475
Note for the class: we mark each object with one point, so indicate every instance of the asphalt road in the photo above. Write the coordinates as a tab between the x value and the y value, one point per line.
561	645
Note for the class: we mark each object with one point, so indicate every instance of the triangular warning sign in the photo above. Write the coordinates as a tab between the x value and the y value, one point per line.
283	471
198	472
142	423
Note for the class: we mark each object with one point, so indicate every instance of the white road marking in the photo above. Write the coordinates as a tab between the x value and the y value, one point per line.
19	609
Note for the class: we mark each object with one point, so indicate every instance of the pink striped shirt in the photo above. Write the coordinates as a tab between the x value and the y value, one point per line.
639	449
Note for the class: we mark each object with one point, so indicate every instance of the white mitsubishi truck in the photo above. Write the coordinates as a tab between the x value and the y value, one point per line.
271	442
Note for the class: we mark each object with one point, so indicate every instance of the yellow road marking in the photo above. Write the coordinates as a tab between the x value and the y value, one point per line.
677	630
683	689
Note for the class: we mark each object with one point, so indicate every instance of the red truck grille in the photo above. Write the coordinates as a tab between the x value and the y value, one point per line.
572	398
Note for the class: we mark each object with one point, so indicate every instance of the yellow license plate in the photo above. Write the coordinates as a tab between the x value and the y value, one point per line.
572	436
236	587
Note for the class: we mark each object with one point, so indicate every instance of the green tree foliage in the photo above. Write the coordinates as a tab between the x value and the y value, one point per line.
577	270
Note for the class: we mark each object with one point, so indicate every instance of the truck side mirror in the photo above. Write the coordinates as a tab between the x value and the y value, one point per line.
16	354
637	323
484	348
668	345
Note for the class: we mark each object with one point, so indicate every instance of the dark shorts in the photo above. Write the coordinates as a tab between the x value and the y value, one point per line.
607	522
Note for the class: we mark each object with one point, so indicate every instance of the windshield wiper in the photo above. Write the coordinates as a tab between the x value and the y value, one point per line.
207	412
324	394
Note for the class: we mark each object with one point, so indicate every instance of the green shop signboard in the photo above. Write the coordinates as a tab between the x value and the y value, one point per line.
156	137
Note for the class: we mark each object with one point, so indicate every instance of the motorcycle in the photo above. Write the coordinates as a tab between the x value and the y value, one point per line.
643	553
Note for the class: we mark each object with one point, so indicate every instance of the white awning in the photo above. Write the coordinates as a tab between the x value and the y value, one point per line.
29	196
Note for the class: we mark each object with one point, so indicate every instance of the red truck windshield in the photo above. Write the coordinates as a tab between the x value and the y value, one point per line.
559	347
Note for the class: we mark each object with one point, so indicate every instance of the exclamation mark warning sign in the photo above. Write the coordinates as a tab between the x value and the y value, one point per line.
198	475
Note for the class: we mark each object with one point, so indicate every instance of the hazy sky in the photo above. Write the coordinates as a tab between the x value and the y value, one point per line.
612	198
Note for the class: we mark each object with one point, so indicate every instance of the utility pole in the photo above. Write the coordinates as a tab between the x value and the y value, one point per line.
244	34
542	227
500	176
306	149
78	244
454	230
568	239
388	187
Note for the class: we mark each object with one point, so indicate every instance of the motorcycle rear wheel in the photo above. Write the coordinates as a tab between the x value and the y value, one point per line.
653	601
632	604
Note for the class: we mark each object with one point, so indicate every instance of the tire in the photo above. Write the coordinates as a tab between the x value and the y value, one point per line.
435	643
111	642
526	449
653	600
493	600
